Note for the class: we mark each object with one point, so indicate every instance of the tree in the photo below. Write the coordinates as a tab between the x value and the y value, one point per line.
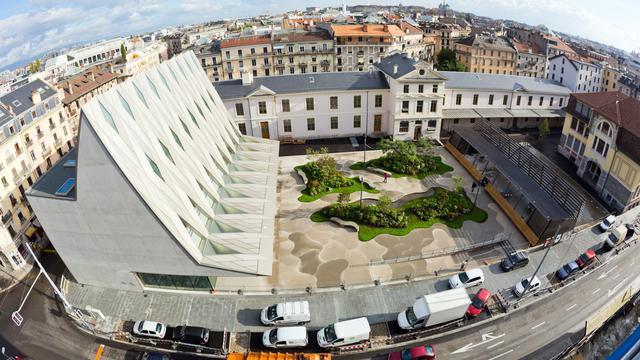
458	183
384	202
35	66
425	146
447	61
344	198
543	129
123	53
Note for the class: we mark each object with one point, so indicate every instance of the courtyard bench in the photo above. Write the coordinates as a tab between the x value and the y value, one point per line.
302	175
344	223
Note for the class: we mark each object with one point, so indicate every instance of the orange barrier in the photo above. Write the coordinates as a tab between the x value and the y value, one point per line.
277	356
515	218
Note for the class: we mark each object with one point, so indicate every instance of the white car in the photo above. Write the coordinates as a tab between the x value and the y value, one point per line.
149	329
607	222
469	278
522	285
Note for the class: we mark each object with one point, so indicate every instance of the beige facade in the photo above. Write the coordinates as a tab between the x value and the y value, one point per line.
490	55
610	78
359	46
252	54
302	52
210	58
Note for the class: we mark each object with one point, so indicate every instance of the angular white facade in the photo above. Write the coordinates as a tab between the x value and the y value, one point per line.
202	184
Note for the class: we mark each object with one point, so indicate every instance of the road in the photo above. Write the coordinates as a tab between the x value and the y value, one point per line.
546	327
45	334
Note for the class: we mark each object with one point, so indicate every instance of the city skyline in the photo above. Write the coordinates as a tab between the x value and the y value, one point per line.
41	26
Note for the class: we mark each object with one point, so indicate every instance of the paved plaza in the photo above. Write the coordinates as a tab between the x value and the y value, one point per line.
325	255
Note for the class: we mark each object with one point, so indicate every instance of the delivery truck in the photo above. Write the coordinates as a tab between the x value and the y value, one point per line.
434	309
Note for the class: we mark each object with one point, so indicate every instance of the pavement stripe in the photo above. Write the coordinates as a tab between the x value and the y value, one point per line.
494	345
571	307
99	352
596	290
501	355
537	326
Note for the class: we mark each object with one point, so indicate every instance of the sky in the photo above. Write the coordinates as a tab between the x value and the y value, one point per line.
30	28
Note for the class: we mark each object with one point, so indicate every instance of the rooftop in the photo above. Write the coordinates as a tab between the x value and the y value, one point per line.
487	42
410	29
299	36
528	47
20	99
84	83
287	84
366	30
245	40
49	183
466	80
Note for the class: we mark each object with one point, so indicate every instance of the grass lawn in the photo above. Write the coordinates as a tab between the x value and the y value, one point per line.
440	169
367	232
354	187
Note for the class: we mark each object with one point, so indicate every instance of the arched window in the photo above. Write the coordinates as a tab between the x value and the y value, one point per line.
605	128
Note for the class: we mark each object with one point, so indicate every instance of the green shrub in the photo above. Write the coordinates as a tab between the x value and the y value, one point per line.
443	204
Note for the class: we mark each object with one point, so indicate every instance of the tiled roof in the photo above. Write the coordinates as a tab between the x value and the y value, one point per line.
486	42
286	84
366	30
527	47
409	29
245	40
562	46
84	83
301	36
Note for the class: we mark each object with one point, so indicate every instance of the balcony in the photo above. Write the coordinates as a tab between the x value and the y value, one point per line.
21	176
10	159
39	134
28	142
6	217
61	120
57	142
52	126
46	152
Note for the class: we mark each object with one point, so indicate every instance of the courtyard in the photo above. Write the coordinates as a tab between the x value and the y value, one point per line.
313	255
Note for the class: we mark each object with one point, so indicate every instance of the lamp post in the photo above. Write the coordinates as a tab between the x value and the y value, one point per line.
548	244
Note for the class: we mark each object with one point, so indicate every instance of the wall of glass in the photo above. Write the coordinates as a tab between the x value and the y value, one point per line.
178	282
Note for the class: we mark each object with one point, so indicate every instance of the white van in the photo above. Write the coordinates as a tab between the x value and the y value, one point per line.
344	333
286	337
286	313
469	278
607	223
617	235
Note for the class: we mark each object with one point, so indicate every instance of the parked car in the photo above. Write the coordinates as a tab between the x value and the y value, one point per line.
285	337
149	329
566	270
522	285
515	261
344	333
466	279
478	302
586	258
191	334
286	313
607	222
426	352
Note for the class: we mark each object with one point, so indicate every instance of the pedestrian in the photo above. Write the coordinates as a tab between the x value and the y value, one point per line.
386	176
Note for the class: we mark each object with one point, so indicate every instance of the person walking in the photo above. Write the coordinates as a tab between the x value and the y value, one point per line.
386	176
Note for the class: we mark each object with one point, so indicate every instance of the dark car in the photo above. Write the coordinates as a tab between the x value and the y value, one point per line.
191	334
514	261
586	258
568	269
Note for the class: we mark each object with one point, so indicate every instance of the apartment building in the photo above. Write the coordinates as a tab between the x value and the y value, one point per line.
183	197
358	47
414	44
448	35
549	44
401	97
34	134
487	54
248	53
80	89
531	61
610	77
210	58
301	52
600	135
630	85
174	44
579	74
141	60
79	58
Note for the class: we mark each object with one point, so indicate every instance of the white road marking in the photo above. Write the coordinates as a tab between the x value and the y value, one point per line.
615	276
596	290
618	285
501	355
488	337
604	274
494	345
537	326
571	307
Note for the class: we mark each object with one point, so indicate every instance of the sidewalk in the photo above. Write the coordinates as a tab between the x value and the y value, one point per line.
379	304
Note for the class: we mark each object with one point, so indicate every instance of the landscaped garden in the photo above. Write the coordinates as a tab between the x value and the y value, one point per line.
403	158
323	177
451	208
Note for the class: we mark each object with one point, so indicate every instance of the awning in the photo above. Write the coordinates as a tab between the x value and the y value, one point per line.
494	113
547	113
523	113
459	114
30	231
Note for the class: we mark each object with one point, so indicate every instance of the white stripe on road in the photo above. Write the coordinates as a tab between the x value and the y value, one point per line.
537	326
616	276
595	291
494	345
571	307
501	355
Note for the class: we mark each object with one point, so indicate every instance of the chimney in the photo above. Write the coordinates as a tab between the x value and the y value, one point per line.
70	87
395	68
247	78
35	97
385	28
9	108
92	75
